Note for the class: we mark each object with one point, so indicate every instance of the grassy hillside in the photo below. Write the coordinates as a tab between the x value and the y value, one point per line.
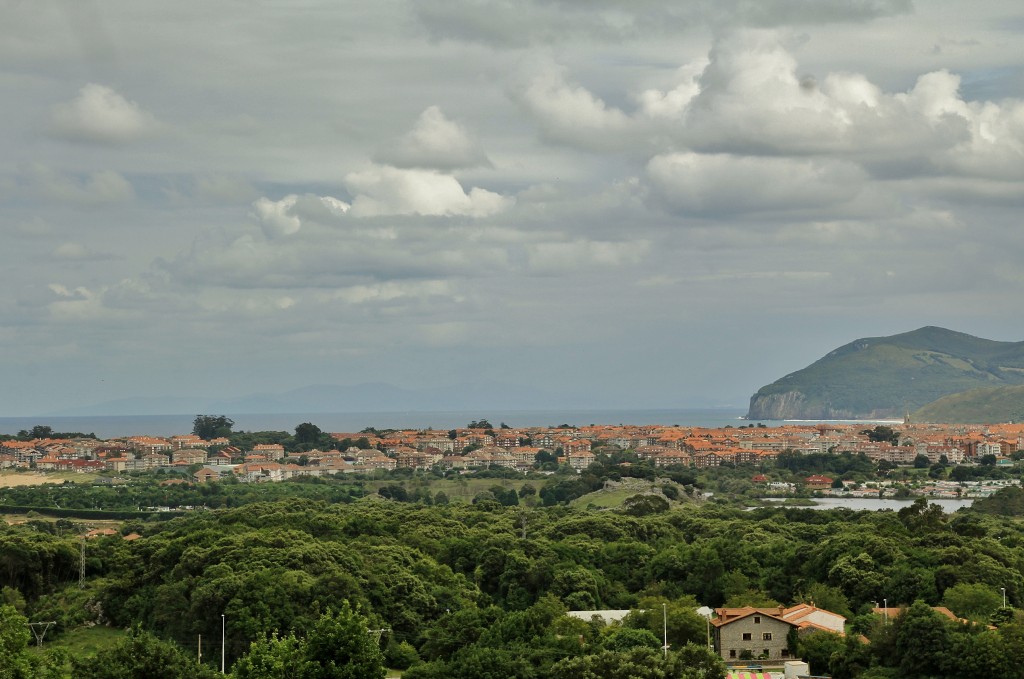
888	376
984	405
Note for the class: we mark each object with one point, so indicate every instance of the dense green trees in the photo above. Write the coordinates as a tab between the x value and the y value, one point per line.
16	661
339	646
209	427
41	431
140	656
481	590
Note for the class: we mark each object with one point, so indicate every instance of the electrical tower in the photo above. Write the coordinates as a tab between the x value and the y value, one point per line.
39	630
376	633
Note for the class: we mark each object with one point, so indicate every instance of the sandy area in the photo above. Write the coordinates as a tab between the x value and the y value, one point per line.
9	479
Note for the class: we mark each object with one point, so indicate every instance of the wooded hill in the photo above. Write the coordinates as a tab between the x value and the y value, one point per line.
984	405
887	377
480	591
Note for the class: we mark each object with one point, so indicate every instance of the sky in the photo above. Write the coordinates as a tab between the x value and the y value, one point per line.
668	204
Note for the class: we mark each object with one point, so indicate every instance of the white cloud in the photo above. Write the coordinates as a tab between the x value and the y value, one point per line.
727	185
394	290
570	114
752	100
503	23
672	104
435	142
385	190
284	217
274	216
77	252
94	188
564	257
100	115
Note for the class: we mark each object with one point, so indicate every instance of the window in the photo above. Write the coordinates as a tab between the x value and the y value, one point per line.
732	652
765	653
747	636
767	636
785	653
757	619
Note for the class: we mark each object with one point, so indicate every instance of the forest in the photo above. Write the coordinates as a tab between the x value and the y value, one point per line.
476	590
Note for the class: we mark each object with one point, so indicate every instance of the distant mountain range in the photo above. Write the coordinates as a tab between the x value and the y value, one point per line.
887	377
360	398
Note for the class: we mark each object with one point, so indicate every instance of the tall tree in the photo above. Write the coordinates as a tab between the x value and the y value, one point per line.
340	647
307	432
209	427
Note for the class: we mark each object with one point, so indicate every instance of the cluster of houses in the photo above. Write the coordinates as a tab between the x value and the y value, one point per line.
762	637
514	448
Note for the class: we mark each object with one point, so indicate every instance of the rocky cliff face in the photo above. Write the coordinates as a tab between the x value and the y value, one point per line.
783	406
794	405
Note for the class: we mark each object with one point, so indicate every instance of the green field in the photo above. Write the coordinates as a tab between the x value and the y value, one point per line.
605	499
83	642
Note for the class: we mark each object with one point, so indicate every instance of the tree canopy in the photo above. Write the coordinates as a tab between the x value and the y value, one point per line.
209	427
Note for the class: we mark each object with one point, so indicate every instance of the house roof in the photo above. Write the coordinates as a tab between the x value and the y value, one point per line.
731	615
800	612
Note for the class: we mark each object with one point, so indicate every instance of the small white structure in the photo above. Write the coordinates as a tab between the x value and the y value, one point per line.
608	617
796	668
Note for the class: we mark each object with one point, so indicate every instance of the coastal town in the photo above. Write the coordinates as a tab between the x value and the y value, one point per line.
524	449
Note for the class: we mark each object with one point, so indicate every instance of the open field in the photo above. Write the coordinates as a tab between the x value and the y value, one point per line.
83	641
12	479
15	518
605	498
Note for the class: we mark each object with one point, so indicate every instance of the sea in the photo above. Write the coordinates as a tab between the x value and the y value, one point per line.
114	426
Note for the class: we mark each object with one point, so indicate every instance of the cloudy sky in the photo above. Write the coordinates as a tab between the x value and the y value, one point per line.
668	203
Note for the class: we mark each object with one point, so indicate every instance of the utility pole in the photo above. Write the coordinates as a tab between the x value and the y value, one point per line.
664	620
200	658
223	648
81	566
39	630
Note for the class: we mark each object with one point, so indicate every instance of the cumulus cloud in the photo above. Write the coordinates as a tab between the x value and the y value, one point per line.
435	142
100	115
384	190
93	188
390	291
753	100
749	97
723	184
284	217
671	104
77	252
561	257
498	22
569	113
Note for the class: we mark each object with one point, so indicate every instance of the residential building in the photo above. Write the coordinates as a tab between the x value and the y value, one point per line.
751	633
